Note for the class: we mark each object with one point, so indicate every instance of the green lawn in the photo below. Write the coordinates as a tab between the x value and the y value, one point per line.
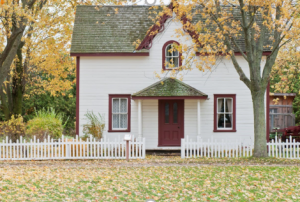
173	180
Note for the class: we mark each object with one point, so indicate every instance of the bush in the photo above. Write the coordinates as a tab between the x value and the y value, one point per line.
95	125
46	122
13	128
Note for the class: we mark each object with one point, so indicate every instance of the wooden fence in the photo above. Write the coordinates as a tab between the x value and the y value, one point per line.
288	149
213	148
71	149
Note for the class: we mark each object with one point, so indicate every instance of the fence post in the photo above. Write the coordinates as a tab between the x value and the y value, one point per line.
68	150
182	148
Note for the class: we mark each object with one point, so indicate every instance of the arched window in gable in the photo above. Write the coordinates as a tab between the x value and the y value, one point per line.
171	56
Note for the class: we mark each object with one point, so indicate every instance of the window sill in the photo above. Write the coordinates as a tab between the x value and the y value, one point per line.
118	131
221	131
176	69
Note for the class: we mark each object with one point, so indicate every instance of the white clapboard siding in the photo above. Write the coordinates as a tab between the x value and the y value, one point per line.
105	75
214	148
71	149
288	149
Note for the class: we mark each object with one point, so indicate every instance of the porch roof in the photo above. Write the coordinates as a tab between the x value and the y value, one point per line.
169	88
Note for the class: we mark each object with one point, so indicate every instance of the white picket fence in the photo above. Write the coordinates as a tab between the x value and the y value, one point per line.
213	148
289	149
71	149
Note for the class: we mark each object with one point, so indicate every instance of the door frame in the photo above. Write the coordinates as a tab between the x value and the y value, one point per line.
159	143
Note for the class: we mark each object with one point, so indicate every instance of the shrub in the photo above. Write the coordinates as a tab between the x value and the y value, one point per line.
95	125
13	128
46	122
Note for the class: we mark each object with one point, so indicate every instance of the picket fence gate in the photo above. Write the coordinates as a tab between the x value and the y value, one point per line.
71	149
288	149
213	148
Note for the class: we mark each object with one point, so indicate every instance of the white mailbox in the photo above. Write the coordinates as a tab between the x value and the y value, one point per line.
128	137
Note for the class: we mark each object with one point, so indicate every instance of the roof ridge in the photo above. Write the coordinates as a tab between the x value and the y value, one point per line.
167	79
152	85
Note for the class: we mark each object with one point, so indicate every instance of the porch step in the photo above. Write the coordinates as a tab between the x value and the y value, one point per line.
163	153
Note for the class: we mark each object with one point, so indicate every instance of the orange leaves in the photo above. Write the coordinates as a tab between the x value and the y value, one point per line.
2	2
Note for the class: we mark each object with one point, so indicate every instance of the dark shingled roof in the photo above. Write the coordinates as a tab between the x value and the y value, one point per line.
235	11
169	87
101	30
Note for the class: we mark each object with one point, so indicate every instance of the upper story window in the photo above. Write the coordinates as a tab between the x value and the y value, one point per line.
171	56
119	113
224	113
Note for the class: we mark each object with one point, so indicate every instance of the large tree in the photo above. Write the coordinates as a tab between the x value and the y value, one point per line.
219	27
34	49
14	16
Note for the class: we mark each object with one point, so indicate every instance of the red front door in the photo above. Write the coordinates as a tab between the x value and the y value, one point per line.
171	122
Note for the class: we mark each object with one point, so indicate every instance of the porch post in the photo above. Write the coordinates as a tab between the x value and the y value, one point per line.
198	119
140	125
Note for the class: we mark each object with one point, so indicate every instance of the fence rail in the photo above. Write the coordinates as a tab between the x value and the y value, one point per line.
214	149
289	149
71	149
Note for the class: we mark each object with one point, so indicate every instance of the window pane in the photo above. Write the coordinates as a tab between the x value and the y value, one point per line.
168	62
220	120
228	121
168	50
115	108
175	52
116	121
123	121
176	62
167	113
221	105
123	105
228	105
175	113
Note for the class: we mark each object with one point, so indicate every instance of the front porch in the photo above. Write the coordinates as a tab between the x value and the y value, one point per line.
172	109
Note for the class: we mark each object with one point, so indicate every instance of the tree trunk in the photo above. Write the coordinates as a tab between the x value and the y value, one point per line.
260	143
17	87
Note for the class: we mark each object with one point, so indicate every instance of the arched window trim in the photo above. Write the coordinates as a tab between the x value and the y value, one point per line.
164	54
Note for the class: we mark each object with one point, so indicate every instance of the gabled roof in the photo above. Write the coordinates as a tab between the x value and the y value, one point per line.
102	30
168	87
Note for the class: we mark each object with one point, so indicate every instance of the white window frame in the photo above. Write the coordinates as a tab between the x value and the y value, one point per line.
220	98
120	113
172	56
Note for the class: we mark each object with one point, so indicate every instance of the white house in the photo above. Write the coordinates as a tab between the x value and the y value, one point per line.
117	80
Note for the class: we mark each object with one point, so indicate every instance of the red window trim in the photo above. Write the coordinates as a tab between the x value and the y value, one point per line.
164	54
216	96
111	96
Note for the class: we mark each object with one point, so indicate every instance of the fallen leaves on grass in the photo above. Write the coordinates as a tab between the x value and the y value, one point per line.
86	180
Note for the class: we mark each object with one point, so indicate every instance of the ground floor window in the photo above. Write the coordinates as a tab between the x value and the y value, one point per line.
119	113
224	113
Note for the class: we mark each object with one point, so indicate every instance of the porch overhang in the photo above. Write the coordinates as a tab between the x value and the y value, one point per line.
169	89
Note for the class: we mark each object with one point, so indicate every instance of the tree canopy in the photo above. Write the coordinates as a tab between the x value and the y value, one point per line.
251	29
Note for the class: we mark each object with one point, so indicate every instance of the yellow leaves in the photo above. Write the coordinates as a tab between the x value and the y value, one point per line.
141	180
13	126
